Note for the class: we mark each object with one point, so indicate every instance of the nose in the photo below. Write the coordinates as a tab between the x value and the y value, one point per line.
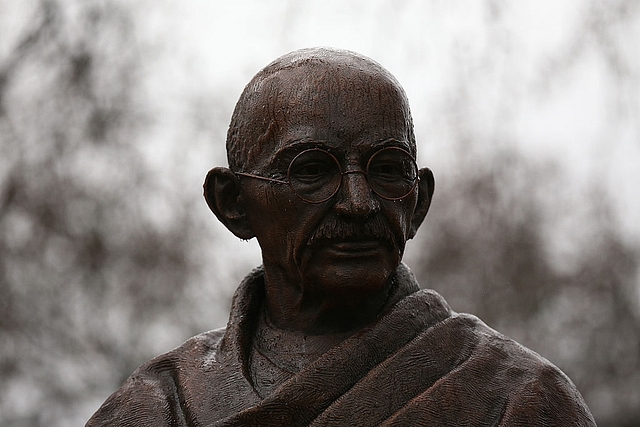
355	196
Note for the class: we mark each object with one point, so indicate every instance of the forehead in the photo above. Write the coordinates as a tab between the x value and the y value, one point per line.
344	107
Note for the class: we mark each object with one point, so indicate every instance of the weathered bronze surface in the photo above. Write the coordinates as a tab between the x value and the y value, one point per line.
332	329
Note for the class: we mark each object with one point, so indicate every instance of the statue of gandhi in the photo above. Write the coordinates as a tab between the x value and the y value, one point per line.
332	329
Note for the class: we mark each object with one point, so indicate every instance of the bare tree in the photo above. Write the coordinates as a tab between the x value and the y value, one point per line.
89	268
490	242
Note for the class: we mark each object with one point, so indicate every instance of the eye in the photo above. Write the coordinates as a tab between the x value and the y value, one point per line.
310	171
313	166
392	165
388	170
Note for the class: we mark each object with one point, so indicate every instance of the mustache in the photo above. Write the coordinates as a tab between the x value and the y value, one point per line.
339	229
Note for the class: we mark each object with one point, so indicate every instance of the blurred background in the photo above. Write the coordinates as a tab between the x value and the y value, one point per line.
112	112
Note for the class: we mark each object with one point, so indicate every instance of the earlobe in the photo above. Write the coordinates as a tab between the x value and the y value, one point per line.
222	192
426	187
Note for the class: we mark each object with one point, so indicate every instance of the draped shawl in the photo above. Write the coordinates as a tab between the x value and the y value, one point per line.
418	364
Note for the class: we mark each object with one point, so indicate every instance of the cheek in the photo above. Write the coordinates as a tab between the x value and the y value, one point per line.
282	225
266	214
399	215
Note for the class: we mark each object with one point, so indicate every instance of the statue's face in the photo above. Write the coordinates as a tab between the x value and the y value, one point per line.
351	243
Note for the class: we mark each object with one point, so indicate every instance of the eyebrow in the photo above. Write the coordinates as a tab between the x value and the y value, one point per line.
301	144
305	143
290	149
296	146
392	142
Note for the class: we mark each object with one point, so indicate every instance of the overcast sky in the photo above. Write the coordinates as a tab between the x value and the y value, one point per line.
527	73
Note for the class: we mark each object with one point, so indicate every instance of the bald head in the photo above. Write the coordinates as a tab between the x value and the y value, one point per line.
305	88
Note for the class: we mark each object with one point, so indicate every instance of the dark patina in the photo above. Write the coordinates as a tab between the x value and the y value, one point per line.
333	329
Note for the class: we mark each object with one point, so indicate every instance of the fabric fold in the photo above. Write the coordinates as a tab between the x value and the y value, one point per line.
418	364
301	399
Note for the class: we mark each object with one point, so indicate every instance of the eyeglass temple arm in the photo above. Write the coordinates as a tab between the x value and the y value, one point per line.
263	178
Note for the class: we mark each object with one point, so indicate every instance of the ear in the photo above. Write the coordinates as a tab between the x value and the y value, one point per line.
222	193
426	186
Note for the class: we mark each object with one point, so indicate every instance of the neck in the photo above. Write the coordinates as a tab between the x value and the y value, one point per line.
292	306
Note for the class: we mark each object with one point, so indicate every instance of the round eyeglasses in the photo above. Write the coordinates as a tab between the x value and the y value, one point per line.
315	175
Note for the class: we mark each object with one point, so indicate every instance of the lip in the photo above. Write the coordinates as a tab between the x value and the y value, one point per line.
361	248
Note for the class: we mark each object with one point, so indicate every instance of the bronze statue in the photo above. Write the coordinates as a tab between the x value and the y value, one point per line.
332	329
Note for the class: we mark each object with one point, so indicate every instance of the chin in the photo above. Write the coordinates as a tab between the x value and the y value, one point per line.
351	279
357	268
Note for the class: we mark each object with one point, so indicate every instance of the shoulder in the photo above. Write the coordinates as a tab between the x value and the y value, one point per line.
151	394
191	353
512	359
482	347
534	390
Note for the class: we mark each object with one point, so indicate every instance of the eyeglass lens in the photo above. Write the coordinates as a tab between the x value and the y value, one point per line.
315	175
